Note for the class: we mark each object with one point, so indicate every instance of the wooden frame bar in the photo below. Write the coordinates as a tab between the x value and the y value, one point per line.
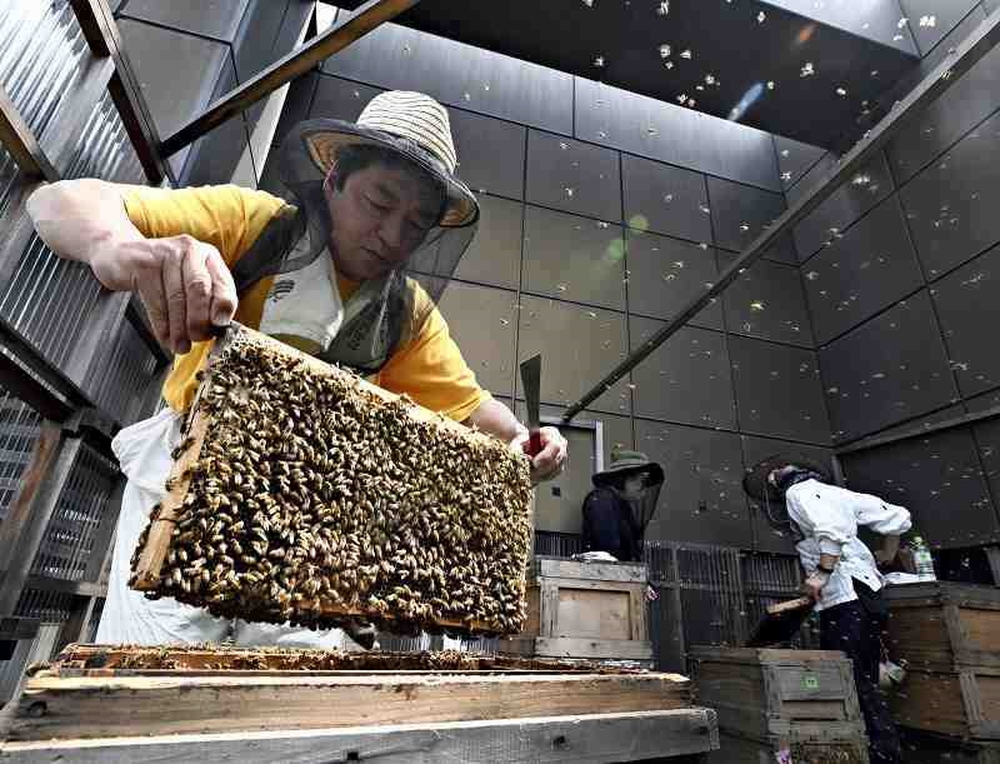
31	510
20	141
101	33
954	65
584	739
298	62
110	703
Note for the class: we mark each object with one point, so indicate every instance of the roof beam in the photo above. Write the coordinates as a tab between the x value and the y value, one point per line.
298	62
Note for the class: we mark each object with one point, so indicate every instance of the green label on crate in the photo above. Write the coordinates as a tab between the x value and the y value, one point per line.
810	682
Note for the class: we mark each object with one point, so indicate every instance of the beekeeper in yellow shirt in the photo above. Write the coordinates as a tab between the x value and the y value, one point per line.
328	270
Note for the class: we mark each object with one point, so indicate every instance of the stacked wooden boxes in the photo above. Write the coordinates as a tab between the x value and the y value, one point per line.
587	611
97	704
801	701
948	636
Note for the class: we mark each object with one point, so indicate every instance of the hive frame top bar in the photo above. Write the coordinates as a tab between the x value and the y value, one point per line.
955	64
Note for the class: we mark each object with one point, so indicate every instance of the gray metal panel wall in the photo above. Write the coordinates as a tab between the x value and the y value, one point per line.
897	267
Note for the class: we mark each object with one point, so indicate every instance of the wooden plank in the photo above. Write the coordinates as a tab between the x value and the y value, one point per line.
532	625
753	656
788	605
614	649
180	658
737	719
548	608
981	631
945	591
293	65
106	707
717	683
594	584
816	682
982	698
931	701
590	738
154	553
17	137
583	613
28	516
639	612
596	571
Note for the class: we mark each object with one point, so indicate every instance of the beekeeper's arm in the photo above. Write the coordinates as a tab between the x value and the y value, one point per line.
889	520
821	512
183	282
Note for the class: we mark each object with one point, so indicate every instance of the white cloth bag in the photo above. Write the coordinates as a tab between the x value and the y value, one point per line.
143	452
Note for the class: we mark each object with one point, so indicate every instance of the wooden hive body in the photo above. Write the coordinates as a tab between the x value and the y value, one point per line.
948	637
304	493
770	694
589	611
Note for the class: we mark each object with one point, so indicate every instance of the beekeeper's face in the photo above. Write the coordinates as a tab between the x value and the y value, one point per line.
633	486
380	216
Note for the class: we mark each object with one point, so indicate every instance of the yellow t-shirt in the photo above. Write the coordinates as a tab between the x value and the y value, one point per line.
429	367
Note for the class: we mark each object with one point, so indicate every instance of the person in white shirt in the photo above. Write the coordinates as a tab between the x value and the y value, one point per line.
843	578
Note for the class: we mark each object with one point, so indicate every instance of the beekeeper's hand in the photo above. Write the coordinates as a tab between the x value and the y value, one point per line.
813	586
184	284
551	460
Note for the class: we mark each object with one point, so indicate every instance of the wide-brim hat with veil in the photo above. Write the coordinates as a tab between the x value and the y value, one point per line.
625	462
413	127
770	498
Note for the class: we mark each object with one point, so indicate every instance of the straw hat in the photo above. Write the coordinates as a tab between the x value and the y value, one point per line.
413	125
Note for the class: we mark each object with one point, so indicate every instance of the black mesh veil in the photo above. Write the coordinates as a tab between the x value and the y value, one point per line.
770	499
302	231
644	506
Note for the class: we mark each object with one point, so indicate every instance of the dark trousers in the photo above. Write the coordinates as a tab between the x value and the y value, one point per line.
853	629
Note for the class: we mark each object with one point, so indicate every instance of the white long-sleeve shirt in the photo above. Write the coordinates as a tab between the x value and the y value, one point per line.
828	517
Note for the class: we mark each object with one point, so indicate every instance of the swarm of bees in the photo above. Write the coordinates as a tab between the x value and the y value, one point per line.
314	501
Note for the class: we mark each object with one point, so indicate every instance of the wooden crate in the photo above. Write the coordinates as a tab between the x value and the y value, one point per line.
961	704
762	694
593	611
740	750
208	704
944	626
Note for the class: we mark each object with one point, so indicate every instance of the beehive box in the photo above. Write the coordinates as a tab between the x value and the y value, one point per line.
766	694
122	703
740	750
963	704
592	611
302	493
943	626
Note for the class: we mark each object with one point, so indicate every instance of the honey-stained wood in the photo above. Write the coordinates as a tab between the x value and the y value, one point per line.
962	704
584	739
945	626
98	660
93	707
